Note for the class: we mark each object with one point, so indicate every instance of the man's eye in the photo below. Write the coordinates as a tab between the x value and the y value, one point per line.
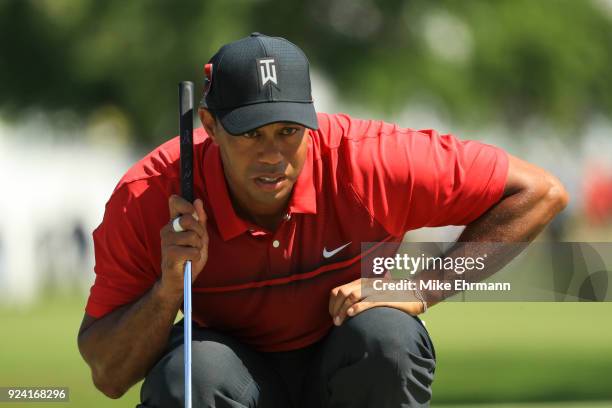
288	131
250	135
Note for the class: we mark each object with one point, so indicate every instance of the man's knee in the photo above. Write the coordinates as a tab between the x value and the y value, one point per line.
219	378
163	385
385	331
387	350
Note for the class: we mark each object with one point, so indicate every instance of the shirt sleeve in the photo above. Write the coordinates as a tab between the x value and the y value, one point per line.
123	268
410	179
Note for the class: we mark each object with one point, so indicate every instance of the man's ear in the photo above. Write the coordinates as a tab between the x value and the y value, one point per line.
209	122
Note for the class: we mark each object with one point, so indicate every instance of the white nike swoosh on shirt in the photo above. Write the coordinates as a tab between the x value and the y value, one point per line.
329	254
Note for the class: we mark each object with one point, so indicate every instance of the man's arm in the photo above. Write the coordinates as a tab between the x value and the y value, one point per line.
532	198
122	346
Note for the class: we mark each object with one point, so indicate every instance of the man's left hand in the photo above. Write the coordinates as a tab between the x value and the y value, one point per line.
347	301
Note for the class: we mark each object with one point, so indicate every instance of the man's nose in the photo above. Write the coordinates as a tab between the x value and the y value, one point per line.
270	153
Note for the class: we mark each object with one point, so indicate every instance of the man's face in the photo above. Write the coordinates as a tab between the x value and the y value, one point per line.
260	166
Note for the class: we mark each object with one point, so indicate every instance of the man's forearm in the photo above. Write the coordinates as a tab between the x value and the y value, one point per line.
528	206
122	346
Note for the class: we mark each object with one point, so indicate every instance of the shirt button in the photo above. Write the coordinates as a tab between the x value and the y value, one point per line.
287	217
275	244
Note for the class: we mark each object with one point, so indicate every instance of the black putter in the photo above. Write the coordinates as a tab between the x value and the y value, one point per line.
186	136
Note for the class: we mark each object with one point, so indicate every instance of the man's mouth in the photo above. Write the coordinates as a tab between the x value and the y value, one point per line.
271	182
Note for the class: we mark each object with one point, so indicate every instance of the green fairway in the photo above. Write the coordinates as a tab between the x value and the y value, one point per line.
487	352
522	351
581	404
39	348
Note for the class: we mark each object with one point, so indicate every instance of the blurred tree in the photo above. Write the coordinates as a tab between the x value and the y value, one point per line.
476	60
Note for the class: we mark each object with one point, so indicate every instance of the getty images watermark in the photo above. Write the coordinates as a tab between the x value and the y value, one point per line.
414	264
475	271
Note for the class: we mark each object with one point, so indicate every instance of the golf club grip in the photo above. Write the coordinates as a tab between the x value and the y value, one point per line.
186	135
186	146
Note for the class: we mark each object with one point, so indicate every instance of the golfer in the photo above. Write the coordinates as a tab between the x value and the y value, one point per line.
284	198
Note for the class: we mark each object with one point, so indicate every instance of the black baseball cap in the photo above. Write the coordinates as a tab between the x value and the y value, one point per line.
259	80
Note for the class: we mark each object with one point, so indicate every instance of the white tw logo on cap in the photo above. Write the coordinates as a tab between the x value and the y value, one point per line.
267	70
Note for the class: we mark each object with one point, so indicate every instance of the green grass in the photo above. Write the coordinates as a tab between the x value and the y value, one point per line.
575	404
522	351
503	352
38	348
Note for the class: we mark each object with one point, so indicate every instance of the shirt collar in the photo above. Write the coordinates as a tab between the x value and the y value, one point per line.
303	198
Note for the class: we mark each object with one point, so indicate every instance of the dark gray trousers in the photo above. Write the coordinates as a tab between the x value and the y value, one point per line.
381	358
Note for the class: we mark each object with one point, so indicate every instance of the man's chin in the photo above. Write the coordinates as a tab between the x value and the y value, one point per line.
269	196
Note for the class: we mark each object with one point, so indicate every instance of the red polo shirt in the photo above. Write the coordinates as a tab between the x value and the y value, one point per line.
363	181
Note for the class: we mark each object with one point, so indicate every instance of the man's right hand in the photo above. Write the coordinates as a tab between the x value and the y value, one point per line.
188	245
122	346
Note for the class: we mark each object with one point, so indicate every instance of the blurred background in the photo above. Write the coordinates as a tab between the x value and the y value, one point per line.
88	87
